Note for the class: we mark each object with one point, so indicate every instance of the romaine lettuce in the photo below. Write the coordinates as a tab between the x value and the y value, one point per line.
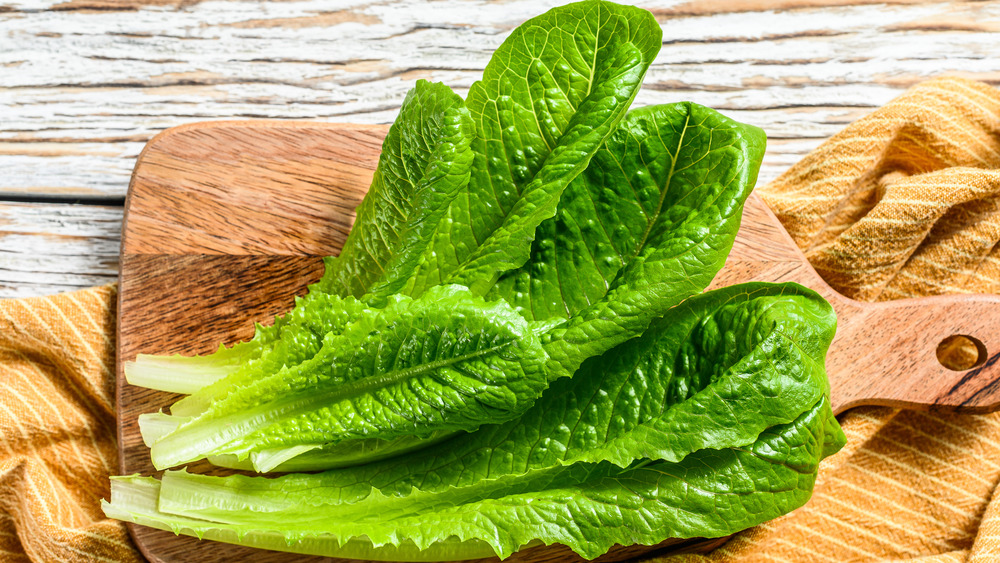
513	348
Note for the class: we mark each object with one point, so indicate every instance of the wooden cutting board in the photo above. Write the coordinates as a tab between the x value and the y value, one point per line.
225	222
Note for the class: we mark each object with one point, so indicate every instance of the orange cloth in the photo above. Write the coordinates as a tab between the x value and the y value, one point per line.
57	429
902	203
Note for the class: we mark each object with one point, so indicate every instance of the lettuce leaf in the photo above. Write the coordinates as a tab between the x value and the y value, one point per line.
425	162
650	222
445	362
550	96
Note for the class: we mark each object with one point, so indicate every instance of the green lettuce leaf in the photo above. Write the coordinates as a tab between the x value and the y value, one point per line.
425	163
711	493
649	223
550	95
666	174
445	362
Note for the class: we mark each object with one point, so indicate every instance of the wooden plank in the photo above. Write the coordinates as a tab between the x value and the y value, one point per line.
91	85
51	247
207	160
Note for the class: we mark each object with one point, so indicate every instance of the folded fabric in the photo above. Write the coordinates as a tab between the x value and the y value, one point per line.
902	203
57	429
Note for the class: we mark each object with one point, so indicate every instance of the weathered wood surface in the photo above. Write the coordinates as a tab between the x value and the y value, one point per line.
85	83
207	278
50	248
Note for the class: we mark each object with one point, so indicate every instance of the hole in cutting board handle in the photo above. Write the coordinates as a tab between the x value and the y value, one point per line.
961	352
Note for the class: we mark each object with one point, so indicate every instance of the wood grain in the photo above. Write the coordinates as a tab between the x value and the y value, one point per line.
226	223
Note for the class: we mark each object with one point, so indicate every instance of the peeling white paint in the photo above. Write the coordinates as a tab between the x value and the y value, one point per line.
47	248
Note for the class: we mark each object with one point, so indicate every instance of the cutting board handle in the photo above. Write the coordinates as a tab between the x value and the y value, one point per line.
884	353
887	353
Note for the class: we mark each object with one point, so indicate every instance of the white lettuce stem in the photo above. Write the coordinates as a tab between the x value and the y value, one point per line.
181	374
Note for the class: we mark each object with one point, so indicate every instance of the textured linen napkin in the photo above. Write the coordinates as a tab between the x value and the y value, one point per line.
904	202
57	429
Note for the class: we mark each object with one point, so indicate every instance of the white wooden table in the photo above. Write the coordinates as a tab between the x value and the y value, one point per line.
85	83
